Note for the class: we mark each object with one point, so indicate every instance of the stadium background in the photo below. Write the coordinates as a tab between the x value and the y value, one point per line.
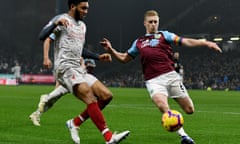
121	21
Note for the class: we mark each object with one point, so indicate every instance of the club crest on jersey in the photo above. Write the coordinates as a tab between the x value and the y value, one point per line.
154	42
157	36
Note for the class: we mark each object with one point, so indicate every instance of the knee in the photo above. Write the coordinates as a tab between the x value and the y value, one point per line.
106	96
189	110
104	100
161	103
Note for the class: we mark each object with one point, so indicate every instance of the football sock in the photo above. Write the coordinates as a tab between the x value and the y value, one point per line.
107	134
96	116
181	132
38	112
84	115
57	93
52	97
79	119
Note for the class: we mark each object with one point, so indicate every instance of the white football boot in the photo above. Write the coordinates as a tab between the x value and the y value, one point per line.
117	138
73	131
35	118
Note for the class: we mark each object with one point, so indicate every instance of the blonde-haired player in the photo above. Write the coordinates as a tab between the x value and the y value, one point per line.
161	79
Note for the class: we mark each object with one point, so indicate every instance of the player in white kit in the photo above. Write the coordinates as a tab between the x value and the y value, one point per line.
70	33
47	101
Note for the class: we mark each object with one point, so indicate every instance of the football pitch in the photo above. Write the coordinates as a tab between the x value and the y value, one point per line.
216	119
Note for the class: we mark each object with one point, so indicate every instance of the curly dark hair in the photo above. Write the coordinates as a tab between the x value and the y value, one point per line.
75	2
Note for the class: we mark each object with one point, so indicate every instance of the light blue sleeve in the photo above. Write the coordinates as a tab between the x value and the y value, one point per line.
171	37
133	51
52	36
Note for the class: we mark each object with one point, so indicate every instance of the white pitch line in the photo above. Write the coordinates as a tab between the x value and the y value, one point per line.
233	113
133	106
141	106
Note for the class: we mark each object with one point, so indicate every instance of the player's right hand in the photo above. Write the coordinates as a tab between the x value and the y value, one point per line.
106	44
47	63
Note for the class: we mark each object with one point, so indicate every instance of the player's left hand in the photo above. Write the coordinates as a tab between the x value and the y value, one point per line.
62	22
214	46
105	57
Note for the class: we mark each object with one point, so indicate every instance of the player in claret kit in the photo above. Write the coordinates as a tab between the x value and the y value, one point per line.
161	79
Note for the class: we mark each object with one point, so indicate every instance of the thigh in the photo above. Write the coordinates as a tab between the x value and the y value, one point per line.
181	96
83	92
161	101
101	91
158	90
186	104
177	89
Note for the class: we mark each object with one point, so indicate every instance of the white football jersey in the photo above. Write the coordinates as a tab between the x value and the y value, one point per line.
68	44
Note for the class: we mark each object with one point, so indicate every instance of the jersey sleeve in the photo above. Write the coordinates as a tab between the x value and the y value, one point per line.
133	51
172	38
88	54
48	29
52	36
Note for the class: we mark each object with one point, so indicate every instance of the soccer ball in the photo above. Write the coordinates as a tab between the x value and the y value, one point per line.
172	120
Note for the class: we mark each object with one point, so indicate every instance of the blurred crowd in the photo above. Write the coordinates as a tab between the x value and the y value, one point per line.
28	65
203	69
212	70
131	78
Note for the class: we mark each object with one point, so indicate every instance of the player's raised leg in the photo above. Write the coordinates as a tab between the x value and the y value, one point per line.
104	96
187	105
46	102
83	92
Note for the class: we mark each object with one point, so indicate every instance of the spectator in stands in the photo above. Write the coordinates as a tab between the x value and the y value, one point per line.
17	72
177	65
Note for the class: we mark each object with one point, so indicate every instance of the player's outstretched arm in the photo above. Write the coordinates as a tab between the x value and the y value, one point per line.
122	57
196	43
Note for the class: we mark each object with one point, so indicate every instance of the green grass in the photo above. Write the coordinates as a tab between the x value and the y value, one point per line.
215	121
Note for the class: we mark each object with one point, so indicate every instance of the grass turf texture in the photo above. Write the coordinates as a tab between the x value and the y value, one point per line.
215	121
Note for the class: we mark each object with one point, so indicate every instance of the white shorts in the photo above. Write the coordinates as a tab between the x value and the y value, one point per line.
169	84
91	79
73	76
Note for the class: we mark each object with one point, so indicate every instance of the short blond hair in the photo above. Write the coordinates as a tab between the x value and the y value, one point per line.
150	13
